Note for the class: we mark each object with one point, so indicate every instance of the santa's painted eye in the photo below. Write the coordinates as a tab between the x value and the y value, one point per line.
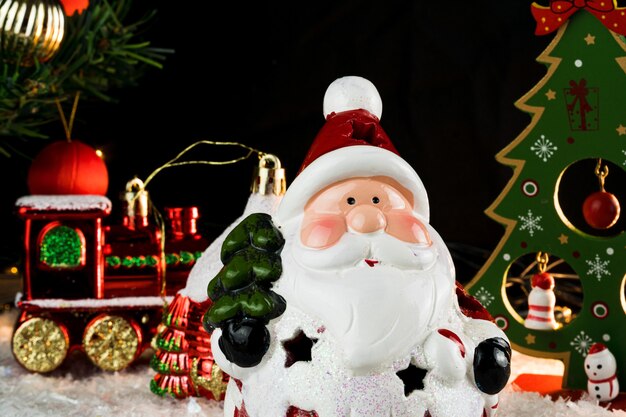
588	367
351	201
375	200
599	366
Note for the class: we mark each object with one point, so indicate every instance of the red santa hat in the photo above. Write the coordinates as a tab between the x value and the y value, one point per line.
351	144
598	349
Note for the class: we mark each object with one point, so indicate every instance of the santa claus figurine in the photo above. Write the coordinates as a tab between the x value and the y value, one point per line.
601	369
345	302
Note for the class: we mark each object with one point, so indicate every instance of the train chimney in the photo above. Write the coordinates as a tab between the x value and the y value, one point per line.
183	221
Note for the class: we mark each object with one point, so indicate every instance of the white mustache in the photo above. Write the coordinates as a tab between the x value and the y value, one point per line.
353	248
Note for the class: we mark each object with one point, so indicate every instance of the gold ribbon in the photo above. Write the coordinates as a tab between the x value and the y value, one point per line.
67	127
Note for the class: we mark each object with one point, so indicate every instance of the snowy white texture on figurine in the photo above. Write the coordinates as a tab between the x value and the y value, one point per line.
601	370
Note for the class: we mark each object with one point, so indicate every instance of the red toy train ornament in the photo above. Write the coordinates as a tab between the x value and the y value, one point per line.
93	287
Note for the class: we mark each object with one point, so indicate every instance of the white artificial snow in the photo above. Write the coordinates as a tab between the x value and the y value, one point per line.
78	389
58	303
526	404
209	263
70	202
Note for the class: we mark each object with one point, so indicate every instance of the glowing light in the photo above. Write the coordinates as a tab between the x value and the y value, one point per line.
13	270
100	153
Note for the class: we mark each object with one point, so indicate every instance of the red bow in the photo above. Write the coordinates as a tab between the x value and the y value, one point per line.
551	18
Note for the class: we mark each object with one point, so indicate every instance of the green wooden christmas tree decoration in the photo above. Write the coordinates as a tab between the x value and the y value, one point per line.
578	120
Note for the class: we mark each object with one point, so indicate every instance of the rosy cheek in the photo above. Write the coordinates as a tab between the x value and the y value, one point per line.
322	232
407	228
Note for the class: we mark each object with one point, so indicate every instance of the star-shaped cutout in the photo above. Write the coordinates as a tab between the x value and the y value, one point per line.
563	239
530	339
413	378
298	348
551	94
621	130
591	40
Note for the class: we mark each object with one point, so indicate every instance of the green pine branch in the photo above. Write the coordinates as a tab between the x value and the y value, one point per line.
100	52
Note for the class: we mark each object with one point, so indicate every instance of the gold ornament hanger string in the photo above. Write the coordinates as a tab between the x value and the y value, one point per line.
174	162
542	261
601	172
68	126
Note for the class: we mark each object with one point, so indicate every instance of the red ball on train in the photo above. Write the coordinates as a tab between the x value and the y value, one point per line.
68	168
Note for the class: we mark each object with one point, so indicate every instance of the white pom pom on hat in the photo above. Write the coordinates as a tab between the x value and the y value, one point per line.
352	92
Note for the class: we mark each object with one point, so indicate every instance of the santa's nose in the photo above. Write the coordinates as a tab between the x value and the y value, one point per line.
366	219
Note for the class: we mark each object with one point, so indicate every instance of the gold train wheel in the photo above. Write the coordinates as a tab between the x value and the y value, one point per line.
40	345
111	342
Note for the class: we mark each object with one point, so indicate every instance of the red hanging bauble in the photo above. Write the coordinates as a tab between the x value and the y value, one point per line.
68	168
601	210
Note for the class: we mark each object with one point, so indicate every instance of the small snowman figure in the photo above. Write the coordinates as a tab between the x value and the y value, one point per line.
541	301
601	369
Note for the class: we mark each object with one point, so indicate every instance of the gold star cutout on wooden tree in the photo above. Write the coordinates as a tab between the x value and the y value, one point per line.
563	239
621	130
591	40
551	94
530	339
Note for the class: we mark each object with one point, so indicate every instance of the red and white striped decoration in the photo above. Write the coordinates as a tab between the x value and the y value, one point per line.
541	301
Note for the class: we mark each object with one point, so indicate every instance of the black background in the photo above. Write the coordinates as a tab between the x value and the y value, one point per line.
448	73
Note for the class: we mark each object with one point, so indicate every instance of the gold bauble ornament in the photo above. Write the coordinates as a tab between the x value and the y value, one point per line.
30	30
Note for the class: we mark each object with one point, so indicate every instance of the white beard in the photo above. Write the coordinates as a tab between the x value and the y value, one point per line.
377	314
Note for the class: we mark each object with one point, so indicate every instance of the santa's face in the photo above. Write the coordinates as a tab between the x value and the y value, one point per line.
362	206
362	263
